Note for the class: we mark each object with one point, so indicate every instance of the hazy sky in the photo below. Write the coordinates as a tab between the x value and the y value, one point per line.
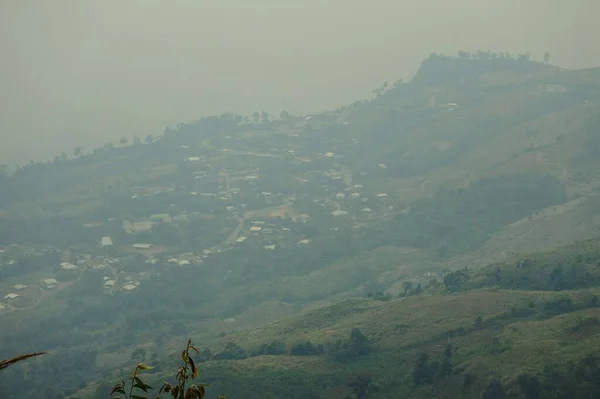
84	72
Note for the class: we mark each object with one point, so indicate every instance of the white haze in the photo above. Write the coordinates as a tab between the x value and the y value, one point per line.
77	72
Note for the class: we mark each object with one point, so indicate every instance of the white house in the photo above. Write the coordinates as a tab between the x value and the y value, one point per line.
50	283
11	296
339	212
255	229
106	241
68	266
142	246
129	287
20	287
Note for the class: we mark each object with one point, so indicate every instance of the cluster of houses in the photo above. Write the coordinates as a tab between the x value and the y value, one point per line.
21	291
222	189
268	234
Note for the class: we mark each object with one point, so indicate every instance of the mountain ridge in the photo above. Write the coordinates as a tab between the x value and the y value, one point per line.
324	220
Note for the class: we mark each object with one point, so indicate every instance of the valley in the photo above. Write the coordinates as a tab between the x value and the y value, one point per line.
408	216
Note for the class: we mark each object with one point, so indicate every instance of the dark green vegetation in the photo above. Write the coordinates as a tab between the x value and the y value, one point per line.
437	240
184	388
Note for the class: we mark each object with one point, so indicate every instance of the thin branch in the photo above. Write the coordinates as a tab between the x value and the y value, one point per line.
9	362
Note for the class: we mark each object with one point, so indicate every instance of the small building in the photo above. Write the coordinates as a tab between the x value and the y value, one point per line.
66	266
269	247
12	296
161	217
382	195
303	242
339	212
255	229
129	287
50	283
142	246
192	159
109	283
2	307
304	217
183	262
106	241
20	287
340	196
241	239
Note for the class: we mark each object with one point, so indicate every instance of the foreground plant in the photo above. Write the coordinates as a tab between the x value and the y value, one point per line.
9	362
186	372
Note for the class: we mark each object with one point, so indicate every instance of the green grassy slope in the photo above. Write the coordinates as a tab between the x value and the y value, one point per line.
506	320
505	345
483	162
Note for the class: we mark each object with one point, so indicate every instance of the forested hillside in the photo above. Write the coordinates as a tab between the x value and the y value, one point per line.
439	239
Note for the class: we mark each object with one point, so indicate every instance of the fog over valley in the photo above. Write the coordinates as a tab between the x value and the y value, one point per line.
329	199
84	73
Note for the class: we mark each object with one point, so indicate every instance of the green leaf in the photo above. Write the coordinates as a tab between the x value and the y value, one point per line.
142	366
118	389
201	390
195	371
166	387
141	384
